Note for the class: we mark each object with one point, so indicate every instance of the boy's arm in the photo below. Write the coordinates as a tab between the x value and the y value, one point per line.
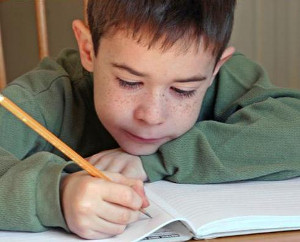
254	134
30	192
33	195
29	184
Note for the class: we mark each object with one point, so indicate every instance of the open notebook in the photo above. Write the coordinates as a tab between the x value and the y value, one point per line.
205	211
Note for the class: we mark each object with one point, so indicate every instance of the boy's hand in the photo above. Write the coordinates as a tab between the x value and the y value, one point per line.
117	160
94	208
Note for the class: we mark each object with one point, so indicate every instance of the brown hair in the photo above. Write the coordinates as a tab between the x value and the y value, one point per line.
166	20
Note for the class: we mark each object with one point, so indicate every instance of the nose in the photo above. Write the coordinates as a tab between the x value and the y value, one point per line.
152	109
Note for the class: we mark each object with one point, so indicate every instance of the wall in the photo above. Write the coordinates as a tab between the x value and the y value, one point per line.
17	18
266	31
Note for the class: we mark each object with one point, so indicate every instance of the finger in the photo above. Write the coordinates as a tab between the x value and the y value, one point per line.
121	194
137	185
102	164
96	157
134	171
117	214
92	234
98	228
102	226
116	164
121	179
117	160
111	161
100	161
139	189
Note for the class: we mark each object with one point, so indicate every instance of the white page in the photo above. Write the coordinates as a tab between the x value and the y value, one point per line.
204	204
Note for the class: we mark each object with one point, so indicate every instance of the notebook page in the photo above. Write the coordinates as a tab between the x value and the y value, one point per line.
202	204
249	225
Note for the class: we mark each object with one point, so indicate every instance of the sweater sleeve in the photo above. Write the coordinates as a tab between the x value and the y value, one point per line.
254	134
29	177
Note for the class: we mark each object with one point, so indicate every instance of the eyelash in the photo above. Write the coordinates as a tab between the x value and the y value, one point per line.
135	85
128	85
182	93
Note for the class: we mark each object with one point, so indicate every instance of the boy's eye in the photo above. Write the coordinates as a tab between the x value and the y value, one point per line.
183	93
129	84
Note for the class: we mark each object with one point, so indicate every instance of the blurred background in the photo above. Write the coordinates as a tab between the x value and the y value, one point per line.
266	31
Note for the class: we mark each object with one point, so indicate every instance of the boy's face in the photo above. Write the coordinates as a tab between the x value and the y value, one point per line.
146	97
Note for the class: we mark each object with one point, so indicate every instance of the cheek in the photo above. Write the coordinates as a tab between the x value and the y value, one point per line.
185	114
105	95
111	105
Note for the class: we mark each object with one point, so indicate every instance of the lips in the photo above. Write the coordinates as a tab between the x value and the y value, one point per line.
142	139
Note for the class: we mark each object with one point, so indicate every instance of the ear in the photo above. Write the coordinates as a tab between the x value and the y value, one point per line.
228	52
85	44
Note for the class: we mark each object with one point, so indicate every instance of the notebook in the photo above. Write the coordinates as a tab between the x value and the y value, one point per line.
184	211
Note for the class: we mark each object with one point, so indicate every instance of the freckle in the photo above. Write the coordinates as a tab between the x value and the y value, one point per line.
187	107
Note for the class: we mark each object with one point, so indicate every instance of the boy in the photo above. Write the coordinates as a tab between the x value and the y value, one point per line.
146	99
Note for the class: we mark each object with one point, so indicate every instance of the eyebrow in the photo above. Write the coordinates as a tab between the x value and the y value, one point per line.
129	69
192	79
140	74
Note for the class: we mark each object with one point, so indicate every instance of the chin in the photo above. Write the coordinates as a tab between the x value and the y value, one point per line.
141	151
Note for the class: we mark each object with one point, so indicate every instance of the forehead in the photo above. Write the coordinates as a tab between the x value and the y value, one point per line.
121	49
163	42
122	41
175	62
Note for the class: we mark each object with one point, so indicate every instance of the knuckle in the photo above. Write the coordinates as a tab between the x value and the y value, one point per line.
139	183
119	229
86	234
88	185
128	196
124	217
84	207
81	228
93	158
131	199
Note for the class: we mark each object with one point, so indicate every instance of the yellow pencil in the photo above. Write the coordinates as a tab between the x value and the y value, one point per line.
56	142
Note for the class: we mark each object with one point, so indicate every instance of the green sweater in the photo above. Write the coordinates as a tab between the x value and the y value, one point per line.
247	130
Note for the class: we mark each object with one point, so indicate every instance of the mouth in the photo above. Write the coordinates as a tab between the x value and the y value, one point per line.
144	140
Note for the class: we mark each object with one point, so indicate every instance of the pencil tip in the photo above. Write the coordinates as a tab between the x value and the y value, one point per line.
147	214
143	211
